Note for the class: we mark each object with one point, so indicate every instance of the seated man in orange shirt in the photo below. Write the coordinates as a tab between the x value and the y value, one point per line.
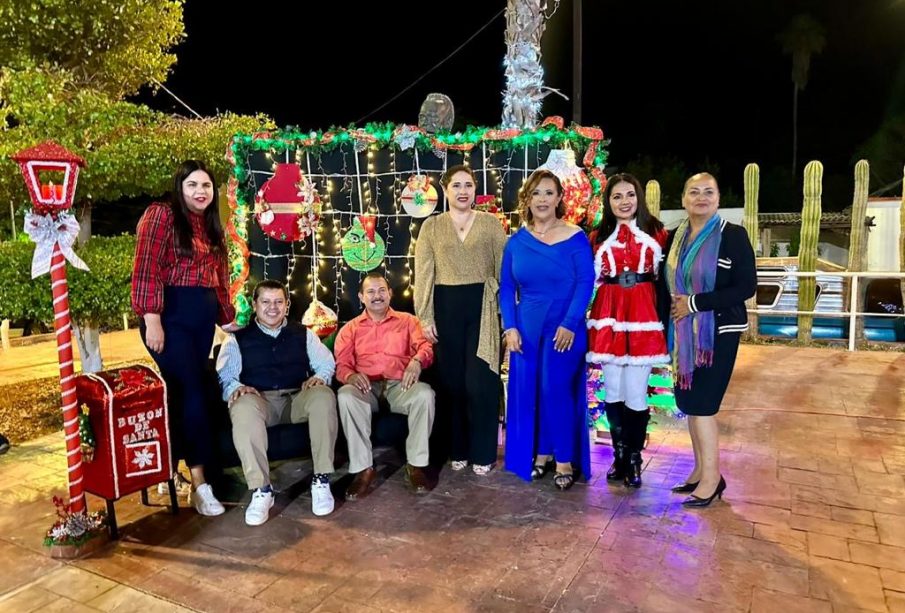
378	354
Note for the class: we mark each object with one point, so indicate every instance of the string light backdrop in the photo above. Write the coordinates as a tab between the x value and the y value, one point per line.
360	176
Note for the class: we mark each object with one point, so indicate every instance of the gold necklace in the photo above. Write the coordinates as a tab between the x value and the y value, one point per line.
544	233
462	227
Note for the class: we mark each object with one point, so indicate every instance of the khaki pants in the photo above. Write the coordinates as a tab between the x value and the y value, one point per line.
356	407
252	415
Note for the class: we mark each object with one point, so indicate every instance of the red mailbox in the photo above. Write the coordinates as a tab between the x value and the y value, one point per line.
127	408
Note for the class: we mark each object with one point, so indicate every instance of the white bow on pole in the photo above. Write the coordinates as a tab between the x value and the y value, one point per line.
44	230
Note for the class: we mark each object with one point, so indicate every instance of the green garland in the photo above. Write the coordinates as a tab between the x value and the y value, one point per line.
383	134
399	136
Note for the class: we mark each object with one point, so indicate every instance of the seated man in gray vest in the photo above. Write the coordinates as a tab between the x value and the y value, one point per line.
277	371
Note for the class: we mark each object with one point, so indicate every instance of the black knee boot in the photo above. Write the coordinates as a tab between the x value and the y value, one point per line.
614	412
635	433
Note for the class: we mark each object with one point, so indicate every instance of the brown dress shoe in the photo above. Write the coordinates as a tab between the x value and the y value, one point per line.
418	479
361	485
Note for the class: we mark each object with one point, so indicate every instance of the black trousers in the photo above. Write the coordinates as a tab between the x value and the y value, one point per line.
469	391
188	319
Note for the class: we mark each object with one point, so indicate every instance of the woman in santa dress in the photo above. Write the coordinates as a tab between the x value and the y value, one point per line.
625	335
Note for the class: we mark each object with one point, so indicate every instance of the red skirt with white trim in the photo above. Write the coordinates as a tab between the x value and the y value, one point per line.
623	327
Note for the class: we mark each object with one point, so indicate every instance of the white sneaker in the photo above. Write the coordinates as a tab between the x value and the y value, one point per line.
458	465
205	502
258	510
321	498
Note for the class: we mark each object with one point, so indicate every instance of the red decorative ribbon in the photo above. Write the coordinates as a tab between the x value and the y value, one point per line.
236	286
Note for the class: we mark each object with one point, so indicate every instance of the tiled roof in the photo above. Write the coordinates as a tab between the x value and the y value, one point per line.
831	219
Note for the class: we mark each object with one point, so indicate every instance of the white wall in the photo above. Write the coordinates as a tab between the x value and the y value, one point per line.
883	238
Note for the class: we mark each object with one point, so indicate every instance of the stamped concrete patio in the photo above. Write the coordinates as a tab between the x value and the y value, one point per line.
813	520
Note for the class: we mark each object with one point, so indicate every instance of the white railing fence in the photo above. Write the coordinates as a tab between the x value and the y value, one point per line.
852	313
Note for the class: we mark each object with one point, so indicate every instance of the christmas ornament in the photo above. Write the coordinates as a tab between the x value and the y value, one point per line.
419	197
86	435
405	136
363	249
75	533
489	204
288	206
320	319
575	183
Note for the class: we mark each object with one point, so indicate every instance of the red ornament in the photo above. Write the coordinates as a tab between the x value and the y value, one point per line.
575	183
288	206
320	319
489	204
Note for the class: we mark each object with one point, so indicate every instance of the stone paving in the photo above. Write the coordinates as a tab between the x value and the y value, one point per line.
813	520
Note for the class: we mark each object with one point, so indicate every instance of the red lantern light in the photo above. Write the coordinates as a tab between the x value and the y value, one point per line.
40	165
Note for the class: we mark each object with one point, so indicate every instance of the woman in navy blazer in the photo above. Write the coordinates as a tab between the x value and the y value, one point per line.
707	275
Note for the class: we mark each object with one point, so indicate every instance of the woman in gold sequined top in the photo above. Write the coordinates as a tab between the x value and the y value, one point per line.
457	271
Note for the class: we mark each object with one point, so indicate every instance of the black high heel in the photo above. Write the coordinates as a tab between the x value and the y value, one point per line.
540	470
685	488
563	481
694	501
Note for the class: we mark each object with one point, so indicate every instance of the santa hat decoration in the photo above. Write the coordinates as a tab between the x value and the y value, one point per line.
369	224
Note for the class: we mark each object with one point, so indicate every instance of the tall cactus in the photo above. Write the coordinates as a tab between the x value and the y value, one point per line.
857	243
652	196
807	252
752	191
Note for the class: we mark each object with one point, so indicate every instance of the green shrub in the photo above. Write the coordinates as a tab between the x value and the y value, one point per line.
21	297
99	297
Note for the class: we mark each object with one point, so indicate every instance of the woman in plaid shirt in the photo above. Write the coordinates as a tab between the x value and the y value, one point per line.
180	290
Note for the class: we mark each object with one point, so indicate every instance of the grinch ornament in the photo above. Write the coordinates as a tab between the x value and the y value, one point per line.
288	206
419	197
363	249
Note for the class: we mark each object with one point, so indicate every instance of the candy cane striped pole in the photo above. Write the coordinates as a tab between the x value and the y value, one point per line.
62	324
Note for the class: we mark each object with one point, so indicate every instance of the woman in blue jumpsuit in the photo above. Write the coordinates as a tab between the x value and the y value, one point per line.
546	283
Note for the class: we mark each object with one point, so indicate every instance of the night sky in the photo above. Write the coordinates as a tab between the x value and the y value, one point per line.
692	84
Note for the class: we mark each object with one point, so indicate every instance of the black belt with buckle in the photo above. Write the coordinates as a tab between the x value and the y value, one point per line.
629	279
